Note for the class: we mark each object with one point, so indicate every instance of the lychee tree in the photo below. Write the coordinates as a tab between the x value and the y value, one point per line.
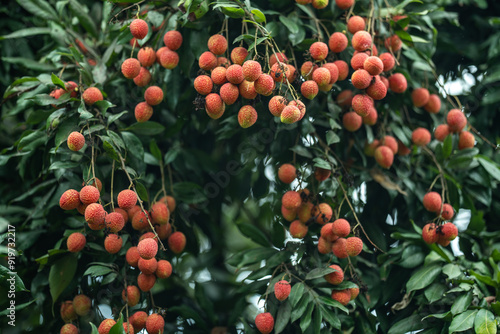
250	166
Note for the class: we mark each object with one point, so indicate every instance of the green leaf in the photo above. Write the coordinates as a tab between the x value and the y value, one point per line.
85	20
142	191
133	145
56	81
283	316
39	8
412	323
332	138
113	118
254	233
18	307
463	321
26	32
61	274
7	277
147	128
423	277
319	272
110	150
235	13
485	323
258	15
155	150
305	320
32	141
447	146
103	106
490	167
188	313
301	307
317	320
435	292
452	270
289	24
94	328
330	302
84	114
484	279
302	151
461	303
296	293
97	270
330	317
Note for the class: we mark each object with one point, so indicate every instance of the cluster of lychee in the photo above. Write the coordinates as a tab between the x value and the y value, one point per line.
456	121
90	95
343	296
72	309
153	323
384	150
320	4
444	233
70	87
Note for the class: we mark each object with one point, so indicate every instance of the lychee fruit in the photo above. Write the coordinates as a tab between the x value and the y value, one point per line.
429	234
67	311
290	114
324	246
207	61
288	214
140	221
321	174
153	95
155	324
448	231
172	39
361	104
384	156
127	199
448	212
341	227
76	242
322	76
377	89
234	74
149	266
441	132
131	68
358	60
309	89
177	242
69	200
335	277
291	200
239	54
251	70
146	282
275	57
279	72
466	140
433	105
354	246
343	69
276	105
138	320
352	121
361	79
132	211
217	44
139	28
398	83
75	141
113	243
128	328
304	212
89	194
318	50
95	214
319	4
105	326
322	213
131	295
456	120
432	201
344	99
69	329
264	85
247	89
169	59
82	305
369	149
132	256
354	292
282	290
146	56
298	229
342	296
287	173
339	248
307	69
229	93
393	43
114	222
361	41
337	42
264	322
373	65
355	24
148	248
160	213
143	78
344	4
402	149
218	75
247	116
420	97
327	233
421	137
143	112
164	269
388	61
214	106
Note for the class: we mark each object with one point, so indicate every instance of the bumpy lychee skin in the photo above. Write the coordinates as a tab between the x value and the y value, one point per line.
335	277
172	39
334	72
247	116
448	231
429	234
421	137
251	70
282	290
433	106
388	61
128	328
89	194
75	141
456	120
319	4
304	212
318	50
298	229
342	296
169	59
466	140
140	220
218	75
132	256
69	200
131	295
214	105
393	43
177	242
132	211
143	78
352	121
344	4
448	212
234	74
164	269
361	104
398	83
138	320
69	329
290	114
341	227
76	242
147	267
67	311
287	173
264	85
390	142
337	42
229	93
146	56
264	322
309	89
288	214
113	243
373	65
291	200
322	213
139	28
155	324
355	24
339	248
280	56
420	97
361	41
207	61
95	214
307	69
153	95
105	326
354	246
377	89
361	79
146	282
238	55
127	199
327	233
276	105
203	84
384	156
82	305
131	68
143	112
217	44
148	248
441	132
322	76
358	60
160	213
324	246
114	222
247	89
432	201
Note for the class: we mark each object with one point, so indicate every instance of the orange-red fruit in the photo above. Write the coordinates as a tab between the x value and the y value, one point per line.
323	213
69	329
304	212
128	328
344	99
132	256
276	105
343	69
146	56
229	93
358	60
89	194
82	305
177	242
138	320
91	95
113	243
371	118
322	76
448	212
307	69
384	156
217	44
334	72
354	246
239	54
388	61
355	24
169	59
68	311
281	57
335	277
448	231
319	4
361	104
361	79
288	214
160	213
398	83
132	211
247	89
146	282
342	296
290	114
214	105
164	269
140	221
143	78
282	290
327	233
309	89
247	116
207	61
127	199
429	234
466	140
131	295
373	65
287	173
361	41
139	28
155	324
456	120
143	112
69	200
234	74
264	322
432	201
337	42
352	121
153	95
251	70
105	326
370	148
341	227
298	229
318	50
390	142
147	267
264	85
339	248
223	61
377	89
172	39
95	214
324	246
433	105
420	97
131	68
148	248
218	75
402	149
76	241
393	43
421	137
75	141
291	200
344	4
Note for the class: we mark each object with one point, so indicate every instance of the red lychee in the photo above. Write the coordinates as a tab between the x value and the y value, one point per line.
214	106
169	59
82	305
318	50
361	104
149	266
264	85
377	89
131	295
251	70
143	78
146	282
441	132
361	41
113	243
456	120
148	248
105	326
264	322
352	121
143	112
287	173
234	74
290	114
324	246
344	4
298	229
217	44
342	296
127	199
344	99
337	42
358	60
132	256
95	214
276	105
172	39
67	311
160	213
288	214
69	200
239	54
309	89
304	212
343	69
420	97
247	89
218	75
398	83
341	227
131	68
138	320
69	329
207	61
448	212
140	220
76	242
384	156
433	105
466	140
322	213
448	231
164	269
177	242
432	201
89	194
393	43
373	65
203	84
275	57
339	248
355	24
421	137
139	28
327	233
155	324
335	277
153	95
146	56
388	61
291	200
75	141
282	290
307	69
354	246
361	79
114	222
229	93
429	234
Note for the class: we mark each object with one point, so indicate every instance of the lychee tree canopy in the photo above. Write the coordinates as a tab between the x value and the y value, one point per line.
224	177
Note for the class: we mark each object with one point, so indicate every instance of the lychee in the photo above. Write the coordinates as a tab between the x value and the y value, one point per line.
146	282
354	292
388	61
218	76
132	256
361	41
153	95
309	89
67	311
147	266
466	140
342	296
238	55
358	60
334	72
95	215
247	89
355	24
290	114
127	199
217	44
275	57
276	105
69	329
304	212
139	28
172	39
288	214
335	277
105	326
384	156
140	220
321	174
146	56
229	93
160	213
287	173
324	246
298	229
319	4
432	201
327	233
291	200
264	322
76	242
143	78
339	248
234	74
393	43
361	104
75	141
148	248
421	137
398	83
361	79
155	324
429	234
373	65
448	212
433	105
113	243
448	231
322	76
344	4
341	227
89	194
143	112
352	121
371	118
138	320
251	70
318	50
456	120
322	213
279	72
131	295
164	269
370	147
354	246
264	85
177	242
420	97
207	61
282	290
131	68
82	305
343	69
337	42
377	89
169	59
214	106
307	69
114	222
69	200
344	99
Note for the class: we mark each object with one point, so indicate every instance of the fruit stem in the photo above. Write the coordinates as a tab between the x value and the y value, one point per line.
112	183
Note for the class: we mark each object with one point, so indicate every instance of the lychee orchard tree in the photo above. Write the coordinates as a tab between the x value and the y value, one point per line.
236	166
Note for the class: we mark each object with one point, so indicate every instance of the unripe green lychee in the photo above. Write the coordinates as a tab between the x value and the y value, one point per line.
352	121
342	296
238	55
433	105
69	200
339	248
143	112
172	39
264	85
217	44
291	200
384	156
287	173
247	116
76	242
155	324
132	256
177	242
298	229
67	311
169	59
131	68
89	194
218	75
207	61
456	120
143	78
214	106
421	137
264	322
354	246
153	95
149	266
148	248
335	277
398	83
95	215
164	269
466	140
146	56
113	243
146	282
247	89
82	305
420	97
75	141
127	199
432	201
131	295
388	61
105	326
229	93
251	70
337	42
139	28
355	24
282	290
